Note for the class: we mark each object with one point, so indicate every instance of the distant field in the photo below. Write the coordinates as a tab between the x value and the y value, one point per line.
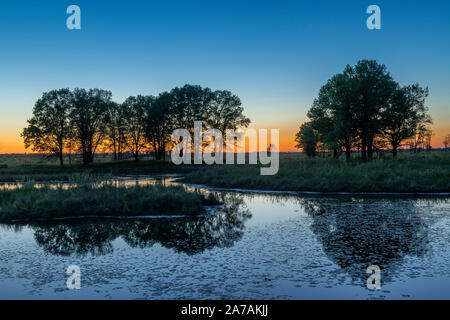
19	168
409	172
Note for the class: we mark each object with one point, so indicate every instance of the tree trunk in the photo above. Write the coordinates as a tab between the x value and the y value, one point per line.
394	150
61	160
158	153
370	148
364	148
348	154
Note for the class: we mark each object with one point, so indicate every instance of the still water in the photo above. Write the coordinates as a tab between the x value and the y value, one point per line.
257	246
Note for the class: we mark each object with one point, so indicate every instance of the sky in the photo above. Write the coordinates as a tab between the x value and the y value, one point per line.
275	55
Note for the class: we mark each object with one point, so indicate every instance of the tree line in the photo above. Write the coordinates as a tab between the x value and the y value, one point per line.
364	109
84	121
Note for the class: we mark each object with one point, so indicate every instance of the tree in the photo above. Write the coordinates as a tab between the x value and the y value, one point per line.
225	112
446	141
49	129
89	117
374	89
321	118
332	116
418	139
427	141
404	114
135	111
342	98
190	103
115	130
363	106
307	138
160	124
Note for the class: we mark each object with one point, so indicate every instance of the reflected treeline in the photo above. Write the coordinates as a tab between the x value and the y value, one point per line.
190	235
356	233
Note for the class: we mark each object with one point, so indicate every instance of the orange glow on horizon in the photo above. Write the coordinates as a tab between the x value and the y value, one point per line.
13	144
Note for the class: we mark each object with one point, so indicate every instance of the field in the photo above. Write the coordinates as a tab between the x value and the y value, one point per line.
421	172
409	172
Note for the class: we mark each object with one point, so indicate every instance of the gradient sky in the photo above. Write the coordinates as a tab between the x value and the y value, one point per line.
275	55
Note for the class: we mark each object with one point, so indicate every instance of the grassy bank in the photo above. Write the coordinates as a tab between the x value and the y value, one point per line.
29	203
422	172
409	172
19	169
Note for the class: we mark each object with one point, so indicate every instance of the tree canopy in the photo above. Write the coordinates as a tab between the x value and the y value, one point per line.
86	121
364	108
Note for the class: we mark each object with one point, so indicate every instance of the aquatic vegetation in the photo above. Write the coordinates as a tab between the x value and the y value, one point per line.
29	202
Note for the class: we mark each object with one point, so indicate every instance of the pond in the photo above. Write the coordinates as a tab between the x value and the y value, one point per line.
257	246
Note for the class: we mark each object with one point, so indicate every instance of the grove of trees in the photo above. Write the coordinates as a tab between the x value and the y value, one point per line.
80	121
364	109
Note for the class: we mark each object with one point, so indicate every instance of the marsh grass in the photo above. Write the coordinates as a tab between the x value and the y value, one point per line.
409	173
29	203
22	169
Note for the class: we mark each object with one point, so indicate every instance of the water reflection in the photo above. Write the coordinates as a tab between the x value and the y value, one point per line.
190	235
357	233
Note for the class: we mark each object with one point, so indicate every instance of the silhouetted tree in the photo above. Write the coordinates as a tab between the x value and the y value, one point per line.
89	117
49	129
135	113
307	139
446	141
115	130
428	136
160	124
225	112
87	120
332	115
404	114
365	107
418	139
374	88
189	104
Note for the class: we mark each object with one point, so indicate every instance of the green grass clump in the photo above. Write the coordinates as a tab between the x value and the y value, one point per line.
29	203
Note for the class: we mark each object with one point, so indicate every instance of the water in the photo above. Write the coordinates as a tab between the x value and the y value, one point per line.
258	246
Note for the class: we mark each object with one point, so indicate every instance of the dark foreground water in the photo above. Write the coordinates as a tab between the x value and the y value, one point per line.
258	246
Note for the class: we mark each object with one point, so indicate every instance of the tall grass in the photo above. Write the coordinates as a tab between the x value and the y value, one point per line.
423	172
409	172
29	203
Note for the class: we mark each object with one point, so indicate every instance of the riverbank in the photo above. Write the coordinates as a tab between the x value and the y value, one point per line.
31	203
424	172
409	173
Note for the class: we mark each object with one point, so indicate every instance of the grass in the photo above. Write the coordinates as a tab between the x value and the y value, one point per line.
409	173
33	167
29	203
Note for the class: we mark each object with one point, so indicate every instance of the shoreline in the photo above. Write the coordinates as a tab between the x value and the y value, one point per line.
325	193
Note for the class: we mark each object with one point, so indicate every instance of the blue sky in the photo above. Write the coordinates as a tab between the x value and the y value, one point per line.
274	55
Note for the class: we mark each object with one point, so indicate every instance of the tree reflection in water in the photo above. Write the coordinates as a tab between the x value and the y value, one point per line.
357	233
190	235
